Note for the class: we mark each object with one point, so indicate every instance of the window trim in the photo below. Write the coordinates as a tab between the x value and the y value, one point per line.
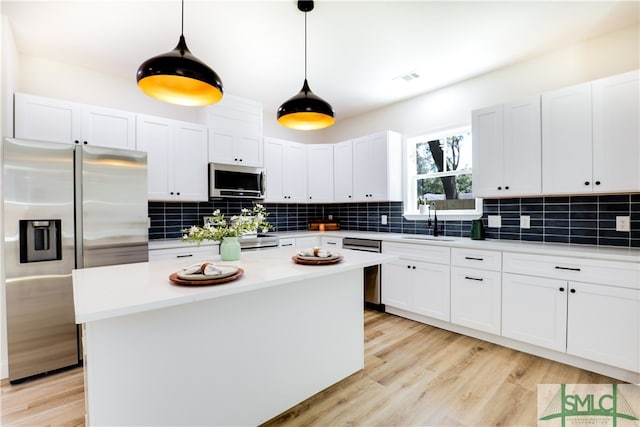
449	215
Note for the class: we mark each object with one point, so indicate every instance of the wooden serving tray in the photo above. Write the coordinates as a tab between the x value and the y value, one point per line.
174	278
316	261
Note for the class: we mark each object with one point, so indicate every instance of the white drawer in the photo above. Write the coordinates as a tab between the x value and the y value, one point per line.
419	252
331	242
474	258
287	242
613	273
187	253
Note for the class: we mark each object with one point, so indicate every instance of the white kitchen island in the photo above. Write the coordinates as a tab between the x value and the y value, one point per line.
232	354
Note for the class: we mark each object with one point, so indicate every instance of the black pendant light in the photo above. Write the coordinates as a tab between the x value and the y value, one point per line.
306	110
178	77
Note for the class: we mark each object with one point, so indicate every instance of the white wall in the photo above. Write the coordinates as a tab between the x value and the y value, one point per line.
451	106
57	80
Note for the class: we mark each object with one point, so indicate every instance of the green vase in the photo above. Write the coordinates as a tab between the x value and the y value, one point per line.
230	249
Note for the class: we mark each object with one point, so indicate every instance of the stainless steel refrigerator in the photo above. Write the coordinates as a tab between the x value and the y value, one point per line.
64	207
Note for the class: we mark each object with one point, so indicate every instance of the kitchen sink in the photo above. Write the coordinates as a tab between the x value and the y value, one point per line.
432	238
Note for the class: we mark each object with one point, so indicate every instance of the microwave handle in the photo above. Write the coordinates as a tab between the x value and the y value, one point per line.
263	182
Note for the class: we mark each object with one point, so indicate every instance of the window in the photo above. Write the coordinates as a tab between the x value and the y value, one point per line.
439	174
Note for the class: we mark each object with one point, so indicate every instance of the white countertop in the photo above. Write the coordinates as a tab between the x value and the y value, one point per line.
105	292
557	249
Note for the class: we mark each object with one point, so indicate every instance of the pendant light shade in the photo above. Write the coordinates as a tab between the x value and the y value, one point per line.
178	77
305	110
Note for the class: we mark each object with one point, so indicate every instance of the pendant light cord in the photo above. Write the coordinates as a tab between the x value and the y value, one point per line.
182	23
305	45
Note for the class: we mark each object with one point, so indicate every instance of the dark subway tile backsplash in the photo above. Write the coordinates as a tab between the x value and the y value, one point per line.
585	220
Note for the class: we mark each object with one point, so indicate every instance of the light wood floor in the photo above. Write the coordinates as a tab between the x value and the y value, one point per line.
415	375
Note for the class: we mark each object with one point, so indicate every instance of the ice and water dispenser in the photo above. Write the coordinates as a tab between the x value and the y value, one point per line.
40	240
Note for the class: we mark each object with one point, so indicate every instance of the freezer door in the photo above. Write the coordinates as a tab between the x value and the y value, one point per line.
112	192
41	331
38	186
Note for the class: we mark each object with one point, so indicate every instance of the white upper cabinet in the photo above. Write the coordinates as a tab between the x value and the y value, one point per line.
53	120
320	172
590	137
343	171
274	165
235	132
507	149
488	140
567	140
177	158
45	119
616	133
377	167
285	163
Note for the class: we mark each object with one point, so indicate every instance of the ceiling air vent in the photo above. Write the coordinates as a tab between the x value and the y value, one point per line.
407	77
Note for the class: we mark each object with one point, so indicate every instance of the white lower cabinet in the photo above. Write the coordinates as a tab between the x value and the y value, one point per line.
534	310
413	284
595	321
476	289
475	299
307	242
603	324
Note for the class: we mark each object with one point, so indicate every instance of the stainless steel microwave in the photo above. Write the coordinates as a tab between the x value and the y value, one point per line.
239	182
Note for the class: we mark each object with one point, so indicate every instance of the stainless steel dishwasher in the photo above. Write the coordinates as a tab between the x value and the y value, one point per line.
372	294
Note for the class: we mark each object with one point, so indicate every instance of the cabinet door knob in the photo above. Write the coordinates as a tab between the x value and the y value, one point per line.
235	160
408	266
240	159
178	193
573	291
414	267
76	141
587	183
171	193
506	187
597	182
561	289
499	188
349	196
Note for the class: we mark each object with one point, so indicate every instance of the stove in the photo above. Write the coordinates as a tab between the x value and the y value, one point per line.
260	241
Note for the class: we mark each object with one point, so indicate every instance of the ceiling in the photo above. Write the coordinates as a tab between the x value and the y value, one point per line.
356	49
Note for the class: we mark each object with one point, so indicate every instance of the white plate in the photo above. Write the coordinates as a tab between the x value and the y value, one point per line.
226	271
319	258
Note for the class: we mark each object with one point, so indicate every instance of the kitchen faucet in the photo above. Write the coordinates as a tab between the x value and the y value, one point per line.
432	205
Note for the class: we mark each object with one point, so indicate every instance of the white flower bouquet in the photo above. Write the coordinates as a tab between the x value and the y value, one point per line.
250	221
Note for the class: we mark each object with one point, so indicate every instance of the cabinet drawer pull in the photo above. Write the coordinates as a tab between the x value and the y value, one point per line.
477	279
331	243
473	258
184	256
567	268
286	244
